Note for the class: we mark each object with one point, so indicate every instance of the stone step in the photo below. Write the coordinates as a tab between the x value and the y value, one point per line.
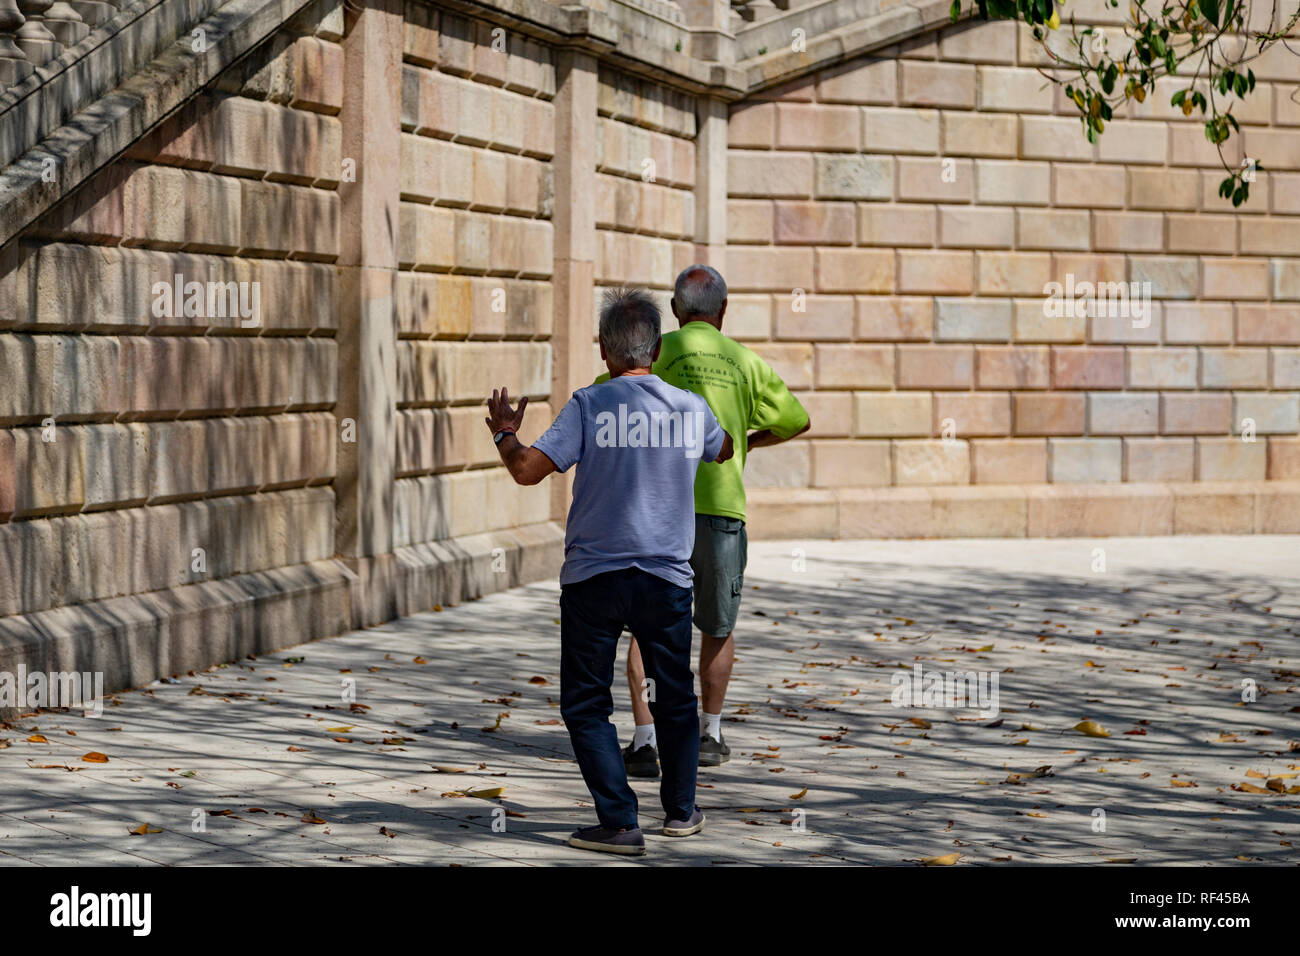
1032	511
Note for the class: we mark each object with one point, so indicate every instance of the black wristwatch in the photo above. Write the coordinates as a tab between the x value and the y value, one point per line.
497	436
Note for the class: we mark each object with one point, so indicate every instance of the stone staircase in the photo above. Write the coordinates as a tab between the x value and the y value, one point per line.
745	12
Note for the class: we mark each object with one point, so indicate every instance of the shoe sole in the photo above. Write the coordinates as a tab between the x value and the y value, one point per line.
713	760
607	848
684	831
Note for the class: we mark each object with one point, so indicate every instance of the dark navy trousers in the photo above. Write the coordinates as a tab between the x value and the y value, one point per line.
593	614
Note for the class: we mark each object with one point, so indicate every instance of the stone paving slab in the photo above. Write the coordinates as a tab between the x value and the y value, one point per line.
359	749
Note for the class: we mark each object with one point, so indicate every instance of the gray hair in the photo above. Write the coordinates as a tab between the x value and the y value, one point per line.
699	290
629	327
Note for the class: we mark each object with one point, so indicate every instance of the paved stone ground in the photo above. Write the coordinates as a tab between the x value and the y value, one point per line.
1154	648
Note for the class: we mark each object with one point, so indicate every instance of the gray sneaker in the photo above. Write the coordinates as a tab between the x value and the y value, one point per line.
713	752
682	828
627	842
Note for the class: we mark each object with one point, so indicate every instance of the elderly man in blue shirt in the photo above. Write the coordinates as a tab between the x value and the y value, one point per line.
637	442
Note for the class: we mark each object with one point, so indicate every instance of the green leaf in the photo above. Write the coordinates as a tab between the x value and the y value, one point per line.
1108	79
955	10
1210	8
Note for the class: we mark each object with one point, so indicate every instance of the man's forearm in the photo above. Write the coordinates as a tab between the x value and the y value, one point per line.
765	438
527	465
512	452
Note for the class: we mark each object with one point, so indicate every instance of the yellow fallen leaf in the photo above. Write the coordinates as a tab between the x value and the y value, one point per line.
948	859
309	817
485	793
95	757
1182	783
800	795
1090	728
1041	816
144	829
340	730
37	739
919	722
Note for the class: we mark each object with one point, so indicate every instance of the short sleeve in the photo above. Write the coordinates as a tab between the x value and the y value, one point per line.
562	442
714	436
775	408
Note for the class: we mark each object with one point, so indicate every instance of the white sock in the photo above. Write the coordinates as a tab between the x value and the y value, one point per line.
713	726
645	734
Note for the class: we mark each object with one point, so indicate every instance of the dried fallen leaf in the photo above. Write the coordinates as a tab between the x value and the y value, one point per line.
1090	728
800	795
309	817
95	757
1250	788
1018	778
143	830
948	859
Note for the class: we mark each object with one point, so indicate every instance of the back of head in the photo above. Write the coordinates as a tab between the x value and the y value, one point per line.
629	328
699	293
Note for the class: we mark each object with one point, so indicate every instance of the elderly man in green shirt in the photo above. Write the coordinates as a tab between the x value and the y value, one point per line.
748	398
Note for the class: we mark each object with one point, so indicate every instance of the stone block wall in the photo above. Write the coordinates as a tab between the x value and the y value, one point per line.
894	223
153	438
644	181
474	298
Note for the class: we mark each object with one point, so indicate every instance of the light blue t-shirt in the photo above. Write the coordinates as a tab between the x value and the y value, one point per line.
637	442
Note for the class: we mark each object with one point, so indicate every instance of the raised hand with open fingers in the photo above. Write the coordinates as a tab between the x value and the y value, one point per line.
501	415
